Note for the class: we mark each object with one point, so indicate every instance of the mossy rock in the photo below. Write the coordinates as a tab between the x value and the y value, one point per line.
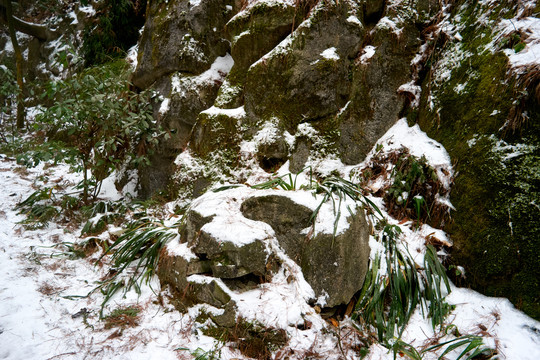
496	231
259	29
215	130
180	37
375	102
295	82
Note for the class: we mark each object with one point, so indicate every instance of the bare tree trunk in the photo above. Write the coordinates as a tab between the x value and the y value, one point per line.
19	63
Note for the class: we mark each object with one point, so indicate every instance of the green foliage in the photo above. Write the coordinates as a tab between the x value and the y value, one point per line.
201	354
408	173
414	188
101	214
403	348
394	287
336	187
72	251
284	182
39	208
139	246
114	29
8	101
474	346
519	46
51	151
101	122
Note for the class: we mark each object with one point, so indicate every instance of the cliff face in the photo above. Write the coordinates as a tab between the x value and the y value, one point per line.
480	100
248	86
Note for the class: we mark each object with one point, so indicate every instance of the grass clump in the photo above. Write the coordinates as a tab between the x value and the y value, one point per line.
102	214
123	317
394	287
411	187
137	249
471	347
39	208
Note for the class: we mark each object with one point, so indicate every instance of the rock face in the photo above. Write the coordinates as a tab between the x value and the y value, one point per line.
296	64
239	239
312	80
473	108
181	36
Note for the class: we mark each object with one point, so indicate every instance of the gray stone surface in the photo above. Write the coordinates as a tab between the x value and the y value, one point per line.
335	267
180	37
332	266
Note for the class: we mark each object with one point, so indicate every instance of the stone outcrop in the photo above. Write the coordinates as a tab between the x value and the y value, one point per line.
238	239
470	106
331	77
295	63
181	36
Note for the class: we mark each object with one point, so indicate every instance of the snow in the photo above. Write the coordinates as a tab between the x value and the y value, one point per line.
72	15
330	54
40	318
164	107
530	55
250	4
412	89
518	336
87	10
367	53
229	225
237	113
132	54
176	248
218	71
267	134
37	321
354	20
419	144
390	24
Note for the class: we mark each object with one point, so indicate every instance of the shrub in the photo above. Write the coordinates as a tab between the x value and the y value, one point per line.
8	101
102	122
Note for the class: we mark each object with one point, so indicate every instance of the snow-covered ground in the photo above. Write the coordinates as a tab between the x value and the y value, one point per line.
45	313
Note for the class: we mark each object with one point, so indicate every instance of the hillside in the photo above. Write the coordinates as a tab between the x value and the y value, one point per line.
220	179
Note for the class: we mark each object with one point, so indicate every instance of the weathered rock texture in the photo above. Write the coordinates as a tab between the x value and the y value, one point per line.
332	77
471	106
181	36
331	265
245	239
295	63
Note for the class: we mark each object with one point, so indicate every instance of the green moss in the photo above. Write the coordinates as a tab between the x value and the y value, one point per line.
215	131
496	231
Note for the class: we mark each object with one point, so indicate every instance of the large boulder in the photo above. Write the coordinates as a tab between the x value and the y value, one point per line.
181	36
329	263
239	239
